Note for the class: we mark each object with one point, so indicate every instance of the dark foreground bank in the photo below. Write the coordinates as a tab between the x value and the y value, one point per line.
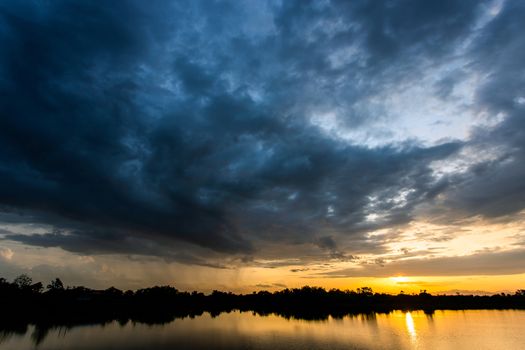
23	302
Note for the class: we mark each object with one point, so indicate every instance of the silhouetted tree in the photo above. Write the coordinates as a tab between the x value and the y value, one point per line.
55	285
36	287
112	291
23	281
24	303
365	291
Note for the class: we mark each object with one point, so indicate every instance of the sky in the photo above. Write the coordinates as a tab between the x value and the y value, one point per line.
252	144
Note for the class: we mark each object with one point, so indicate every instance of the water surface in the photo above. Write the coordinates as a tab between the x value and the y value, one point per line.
471	329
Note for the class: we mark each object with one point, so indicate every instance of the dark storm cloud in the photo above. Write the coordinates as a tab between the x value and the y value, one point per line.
73	132
339	53
131	127
495	187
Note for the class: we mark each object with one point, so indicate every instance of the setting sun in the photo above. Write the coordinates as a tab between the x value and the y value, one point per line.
398	279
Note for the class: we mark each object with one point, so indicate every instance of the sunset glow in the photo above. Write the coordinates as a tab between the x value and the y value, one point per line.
263	145
398	279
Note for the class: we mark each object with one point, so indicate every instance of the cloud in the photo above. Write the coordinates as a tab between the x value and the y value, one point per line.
492	187
328	243
483	263
6	253
184	131
272	285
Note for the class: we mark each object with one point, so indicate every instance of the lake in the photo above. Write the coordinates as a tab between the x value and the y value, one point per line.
470	329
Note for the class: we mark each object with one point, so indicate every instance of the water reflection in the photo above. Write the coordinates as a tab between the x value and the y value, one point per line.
409	321
479	329
410	326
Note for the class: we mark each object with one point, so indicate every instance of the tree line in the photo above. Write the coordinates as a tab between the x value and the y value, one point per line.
24	302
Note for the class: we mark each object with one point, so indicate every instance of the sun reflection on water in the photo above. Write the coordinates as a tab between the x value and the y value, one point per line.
410	325
444	330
